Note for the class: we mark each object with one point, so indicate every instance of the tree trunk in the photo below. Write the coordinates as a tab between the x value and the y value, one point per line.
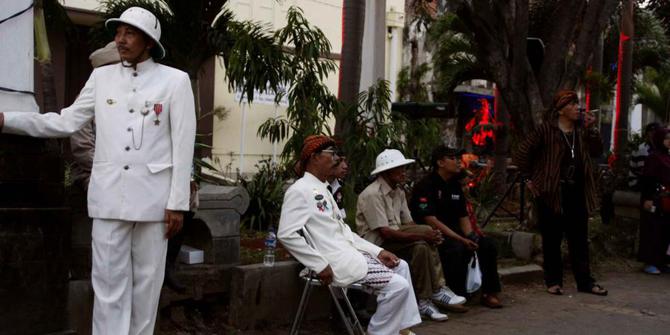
624	90
353	12
501	145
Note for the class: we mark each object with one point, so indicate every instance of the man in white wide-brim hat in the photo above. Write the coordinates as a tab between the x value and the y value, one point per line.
383	218
139	186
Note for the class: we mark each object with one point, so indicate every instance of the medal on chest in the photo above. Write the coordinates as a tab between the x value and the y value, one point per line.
158	109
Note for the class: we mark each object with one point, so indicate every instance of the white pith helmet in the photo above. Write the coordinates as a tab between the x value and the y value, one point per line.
389	159
145	21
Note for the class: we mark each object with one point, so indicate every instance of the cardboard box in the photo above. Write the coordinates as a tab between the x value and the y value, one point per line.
190	255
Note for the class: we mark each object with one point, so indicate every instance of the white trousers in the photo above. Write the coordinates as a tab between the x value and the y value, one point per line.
396	304
127	275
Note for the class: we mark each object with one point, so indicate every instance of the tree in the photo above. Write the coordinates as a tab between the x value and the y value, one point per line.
661	9
653	91
48	13
500	31
310	103
353	12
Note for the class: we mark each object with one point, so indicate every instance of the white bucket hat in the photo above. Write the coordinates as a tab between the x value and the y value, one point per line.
145	21
389	159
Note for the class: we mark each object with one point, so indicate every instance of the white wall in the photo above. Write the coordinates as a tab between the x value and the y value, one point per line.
236	145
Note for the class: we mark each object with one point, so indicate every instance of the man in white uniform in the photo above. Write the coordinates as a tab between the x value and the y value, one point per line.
139	187
337	255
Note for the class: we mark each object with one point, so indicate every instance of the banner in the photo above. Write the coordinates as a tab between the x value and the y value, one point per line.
16	56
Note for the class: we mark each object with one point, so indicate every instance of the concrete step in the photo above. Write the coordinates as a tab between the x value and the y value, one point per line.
521	274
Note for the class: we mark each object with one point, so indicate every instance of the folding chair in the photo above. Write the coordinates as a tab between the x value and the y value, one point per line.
353	325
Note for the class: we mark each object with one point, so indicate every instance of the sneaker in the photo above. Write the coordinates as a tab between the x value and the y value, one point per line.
446	297
407	332
427	309
652	270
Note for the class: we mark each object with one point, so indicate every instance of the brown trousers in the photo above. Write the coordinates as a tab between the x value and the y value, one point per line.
423	259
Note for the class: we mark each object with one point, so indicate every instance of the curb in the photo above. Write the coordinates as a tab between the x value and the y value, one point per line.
521	274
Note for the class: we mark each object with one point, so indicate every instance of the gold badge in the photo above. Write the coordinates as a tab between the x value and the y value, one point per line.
110	101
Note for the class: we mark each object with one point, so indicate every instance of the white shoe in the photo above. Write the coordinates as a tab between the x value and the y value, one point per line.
445	296
427	309
407	332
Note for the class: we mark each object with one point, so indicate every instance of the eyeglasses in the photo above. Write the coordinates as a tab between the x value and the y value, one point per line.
331	151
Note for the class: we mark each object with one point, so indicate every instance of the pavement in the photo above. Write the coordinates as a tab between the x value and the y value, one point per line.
637	304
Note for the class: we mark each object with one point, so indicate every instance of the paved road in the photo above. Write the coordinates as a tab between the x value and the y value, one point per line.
637	304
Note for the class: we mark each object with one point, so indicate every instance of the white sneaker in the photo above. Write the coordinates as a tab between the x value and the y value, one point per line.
445	296
427	309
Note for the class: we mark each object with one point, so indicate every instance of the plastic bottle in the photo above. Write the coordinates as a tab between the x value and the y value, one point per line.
270	246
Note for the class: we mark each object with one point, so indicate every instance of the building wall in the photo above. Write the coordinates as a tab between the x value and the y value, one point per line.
81	4
236	145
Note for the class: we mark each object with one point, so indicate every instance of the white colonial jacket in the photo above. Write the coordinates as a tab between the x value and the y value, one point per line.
145	134
308	204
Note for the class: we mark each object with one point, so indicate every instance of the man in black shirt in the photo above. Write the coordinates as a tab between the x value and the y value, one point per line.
438	200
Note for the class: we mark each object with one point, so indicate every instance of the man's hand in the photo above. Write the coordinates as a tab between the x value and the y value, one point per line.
326	276
388	258
173	222
648	205
470	244
589	118
433	237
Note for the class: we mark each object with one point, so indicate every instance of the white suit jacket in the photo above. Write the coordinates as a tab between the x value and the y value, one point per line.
145	133
308	204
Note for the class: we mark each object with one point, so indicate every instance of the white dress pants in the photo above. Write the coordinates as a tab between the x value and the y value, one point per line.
127	275
396	304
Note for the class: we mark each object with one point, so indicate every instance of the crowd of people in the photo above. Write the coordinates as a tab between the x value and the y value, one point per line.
431	236
415	254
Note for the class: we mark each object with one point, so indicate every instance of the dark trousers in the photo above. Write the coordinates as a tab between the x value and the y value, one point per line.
573	224
654	239
456	257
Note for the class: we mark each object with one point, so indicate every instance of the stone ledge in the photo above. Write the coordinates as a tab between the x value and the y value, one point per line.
521	274
262	296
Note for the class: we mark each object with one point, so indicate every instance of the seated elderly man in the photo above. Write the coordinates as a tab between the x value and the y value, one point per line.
337	255
383	218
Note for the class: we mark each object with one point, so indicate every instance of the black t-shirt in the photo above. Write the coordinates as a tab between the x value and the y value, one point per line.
572	167
433	196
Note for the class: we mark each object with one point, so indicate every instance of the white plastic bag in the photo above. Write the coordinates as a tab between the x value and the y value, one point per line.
474	278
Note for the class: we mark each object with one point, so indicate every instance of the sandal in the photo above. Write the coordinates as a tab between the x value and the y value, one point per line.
555	290
595	289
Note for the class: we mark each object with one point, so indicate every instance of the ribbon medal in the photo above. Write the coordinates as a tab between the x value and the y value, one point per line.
158	109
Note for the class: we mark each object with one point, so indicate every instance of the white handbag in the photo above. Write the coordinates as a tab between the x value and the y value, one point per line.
474	278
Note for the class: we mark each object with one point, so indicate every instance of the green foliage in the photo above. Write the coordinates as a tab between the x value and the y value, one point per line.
454	58
410	83
194	31
601	84
651	45
653	91
661	9
311	104
266	194
376	129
